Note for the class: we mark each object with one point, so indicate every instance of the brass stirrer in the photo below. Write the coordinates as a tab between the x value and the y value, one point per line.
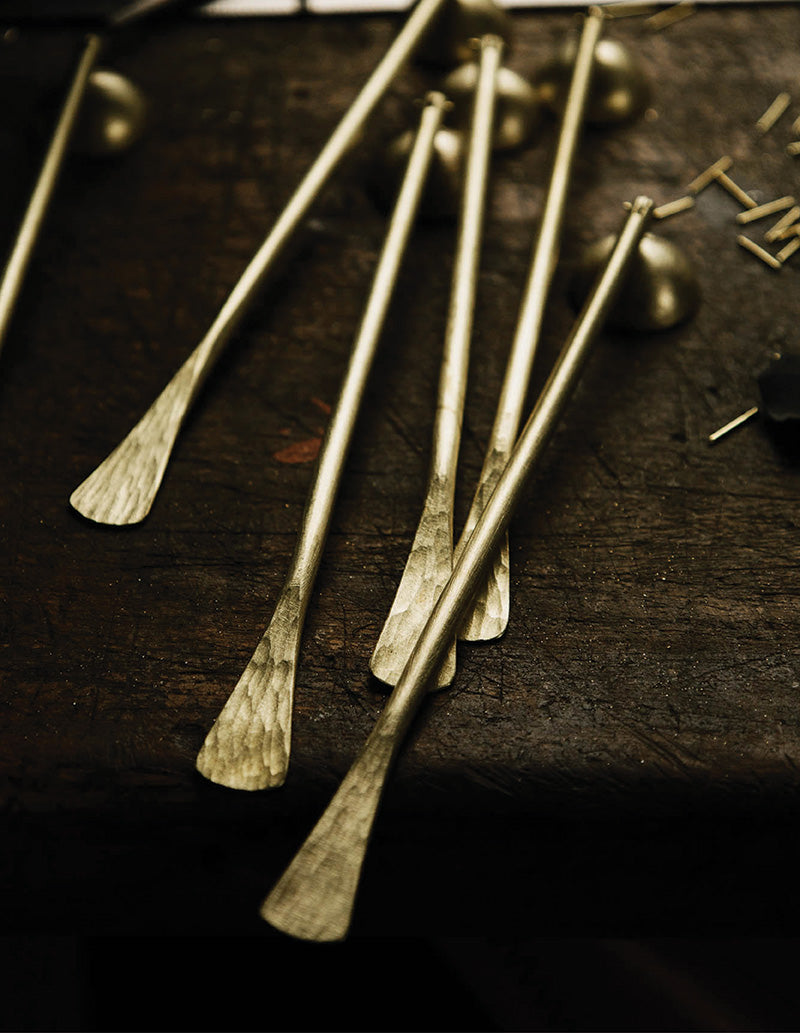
121	490
488	615
429	562
249	744
315	896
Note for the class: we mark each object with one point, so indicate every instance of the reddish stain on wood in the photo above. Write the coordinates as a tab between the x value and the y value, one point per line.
299	451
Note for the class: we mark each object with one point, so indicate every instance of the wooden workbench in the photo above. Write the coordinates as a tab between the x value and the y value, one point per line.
624	761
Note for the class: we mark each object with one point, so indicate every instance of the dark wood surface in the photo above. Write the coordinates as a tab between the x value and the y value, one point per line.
624	761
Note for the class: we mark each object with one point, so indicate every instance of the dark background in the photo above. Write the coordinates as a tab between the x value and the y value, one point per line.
596	826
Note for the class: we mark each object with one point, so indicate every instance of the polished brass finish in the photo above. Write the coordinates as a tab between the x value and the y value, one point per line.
123	487
249	744
314	898
519	109
489	615
618	91
660	291
112	115
430	560
760	252
450	40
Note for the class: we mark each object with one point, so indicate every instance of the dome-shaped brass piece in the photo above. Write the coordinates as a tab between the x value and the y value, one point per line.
112	115
519	108
450	39
618	90
660	291
440	199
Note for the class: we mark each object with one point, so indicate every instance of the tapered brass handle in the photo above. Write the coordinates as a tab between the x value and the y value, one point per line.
314	898
430	560
123	487
248	746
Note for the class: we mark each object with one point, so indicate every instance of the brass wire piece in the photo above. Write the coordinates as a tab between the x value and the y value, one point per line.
761	211
758	251
783	224
680	204
122	488
710	174
314	898
735	190
732	425
773	112
248	746
430	559
788	250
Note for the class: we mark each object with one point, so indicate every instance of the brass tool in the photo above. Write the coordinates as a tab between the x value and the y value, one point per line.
102	112
314	898
430	560
249	744
121	490
488	616
660	290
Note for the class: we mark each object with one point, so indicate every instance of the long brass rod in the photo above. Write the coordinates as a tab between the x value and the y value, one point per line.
22	249
121	490
248	746
430	559
315	896
489	615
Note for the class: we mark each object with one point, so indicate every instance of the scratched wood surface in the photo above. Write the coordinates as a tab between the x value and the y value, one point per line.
625	757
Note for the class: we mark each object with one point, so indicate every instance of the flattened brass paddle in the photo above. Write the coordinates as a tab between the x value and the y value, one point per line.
488	617
430	560
122	489
249	744
314	898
